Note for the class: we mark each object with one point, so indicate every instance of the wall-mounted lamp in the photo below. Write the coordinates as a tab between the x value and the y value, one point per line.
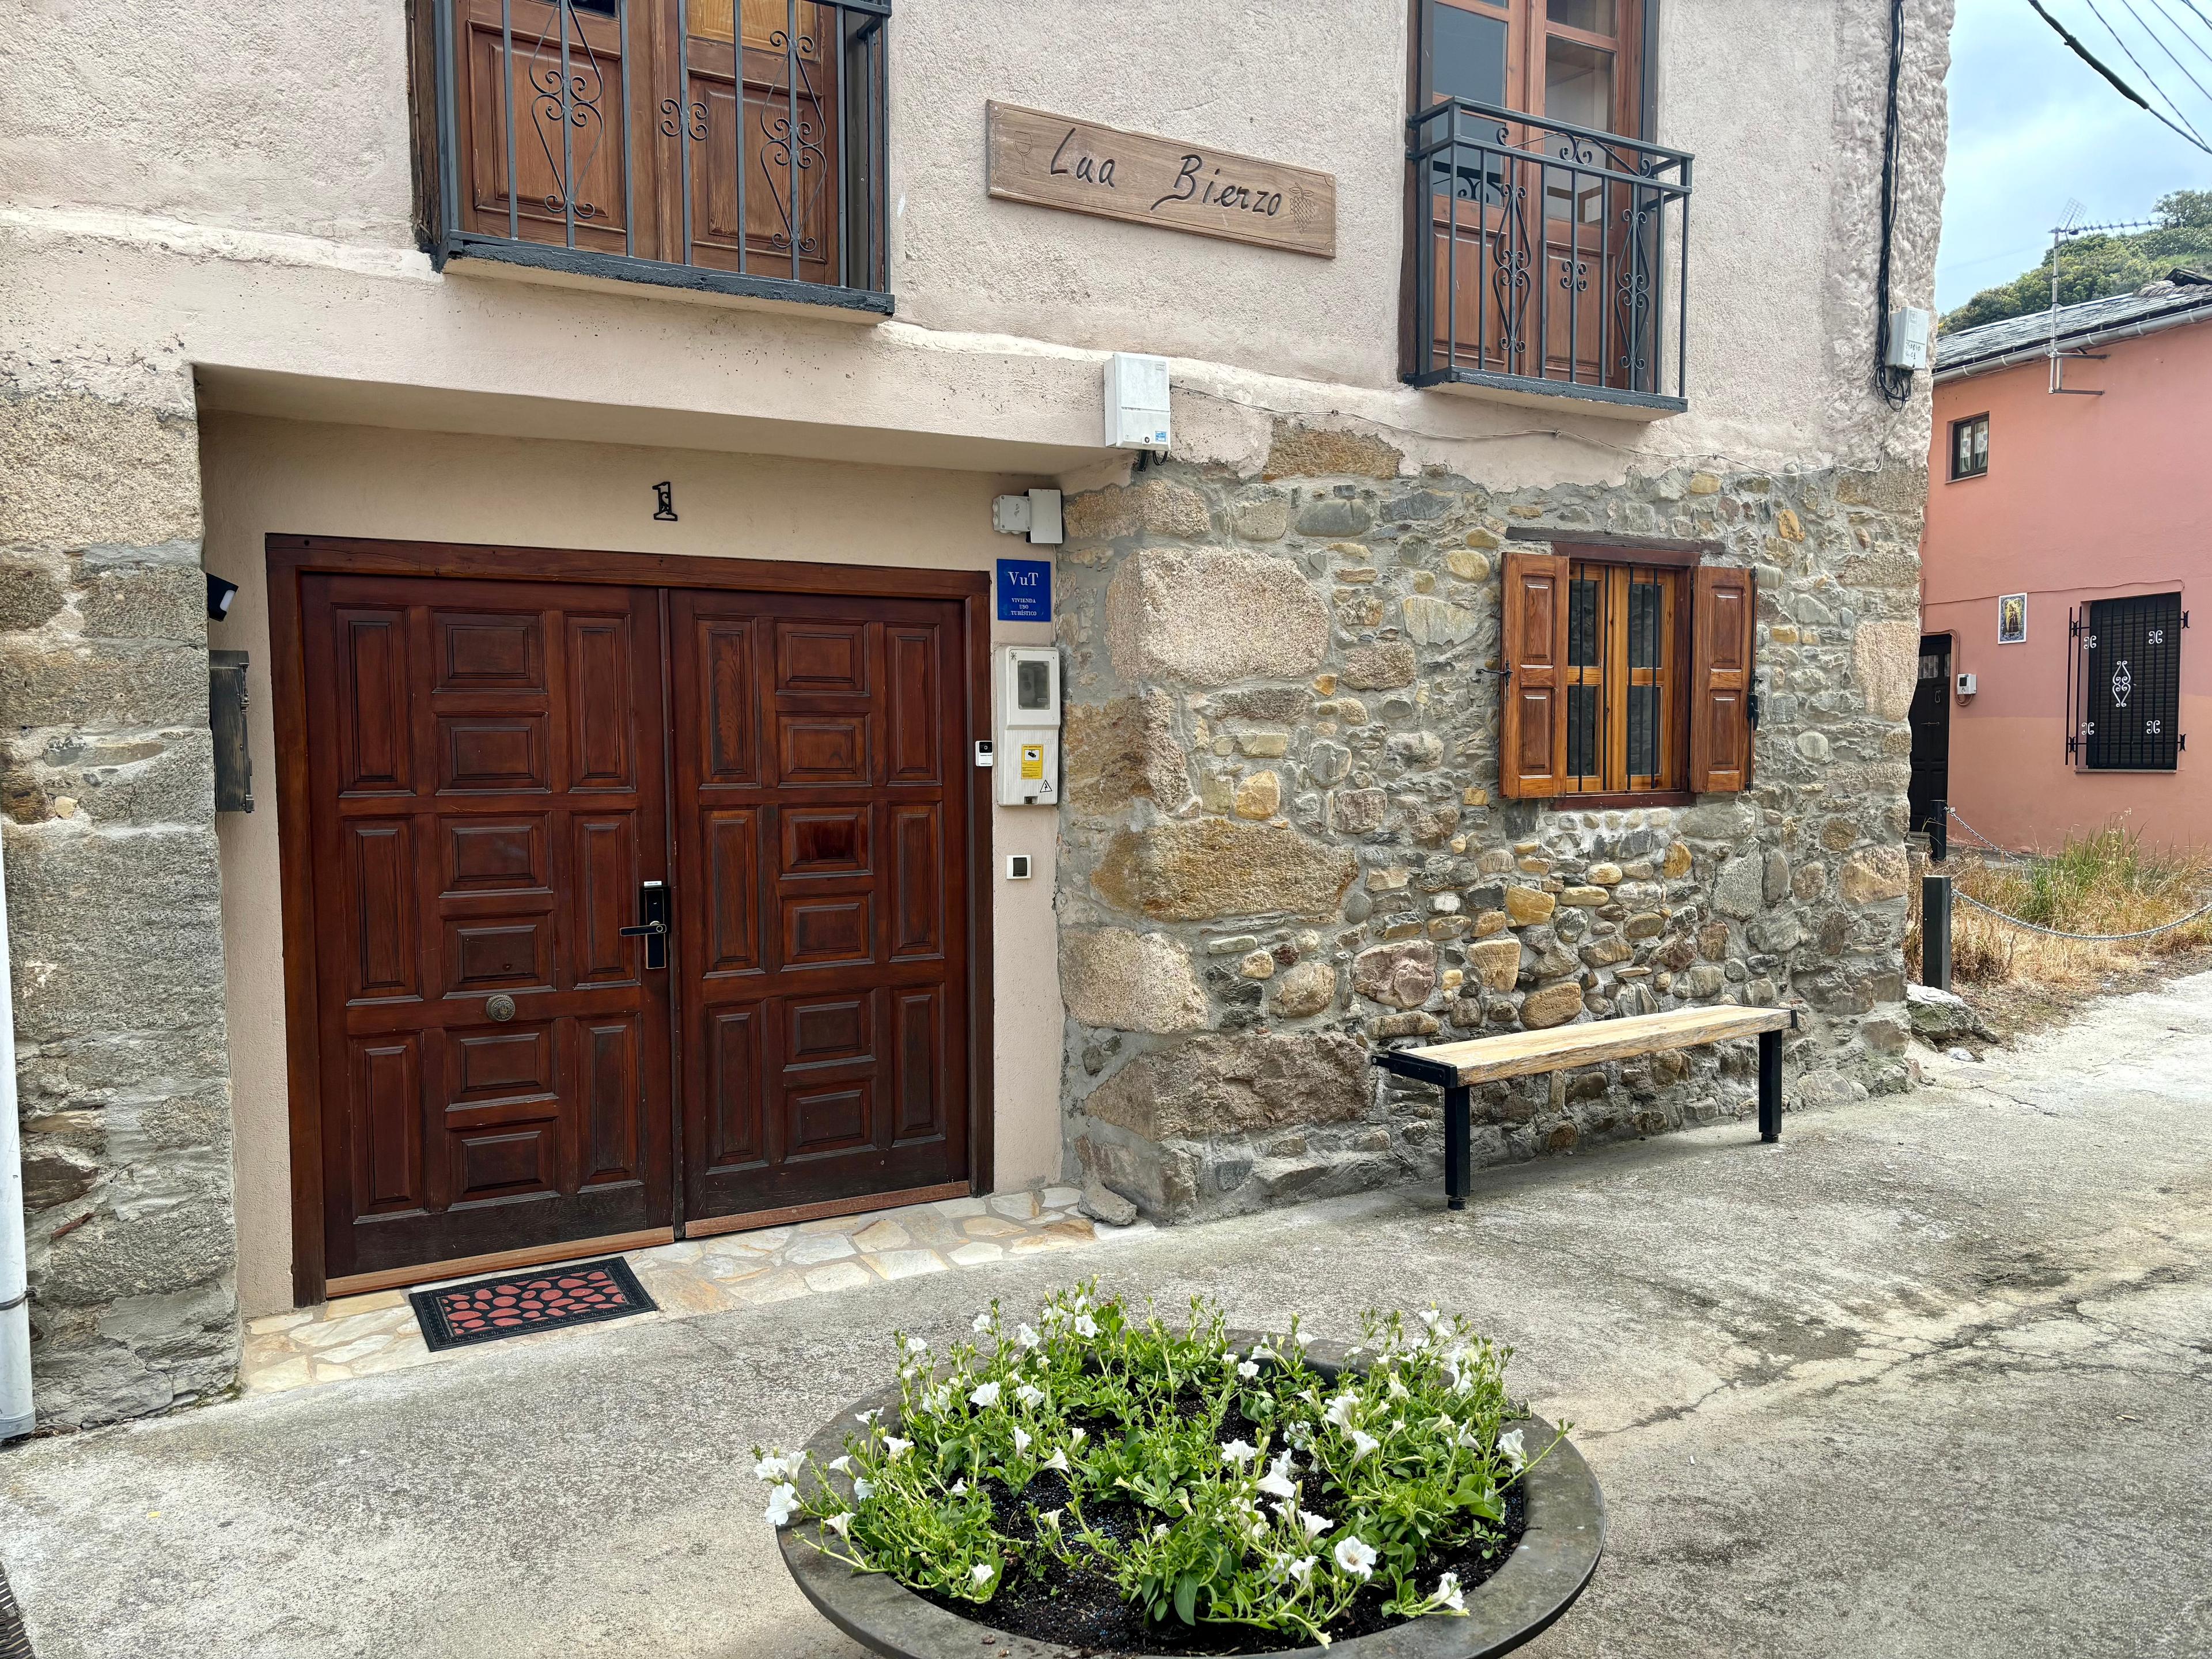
219	594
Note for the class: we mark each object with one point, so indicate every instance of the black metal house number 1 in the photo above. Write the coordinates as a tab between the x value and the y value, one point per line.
663	493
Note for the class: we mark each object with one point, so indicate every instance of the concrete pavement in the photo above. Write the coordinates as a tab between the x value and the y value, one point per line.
1934	1377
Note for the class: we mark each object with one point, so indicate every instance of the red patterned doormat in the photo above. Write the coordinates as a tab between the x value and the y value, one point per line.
541	1299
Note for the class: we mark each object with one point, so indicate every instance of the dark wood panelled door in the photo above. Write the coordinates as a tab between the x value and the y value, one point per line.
487	792
821	899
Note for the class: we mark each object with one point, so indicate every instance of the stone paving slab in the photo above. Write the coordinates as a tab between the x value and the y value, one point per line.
1928	1380
368	1335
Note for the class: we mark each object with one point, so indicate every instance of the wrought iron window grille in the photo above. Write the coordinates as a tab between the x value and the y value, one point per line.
2123	684
753	164
1547	256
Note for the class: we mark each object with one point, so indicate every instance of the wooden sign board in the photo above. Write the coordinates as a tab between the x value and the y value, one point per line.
1057	161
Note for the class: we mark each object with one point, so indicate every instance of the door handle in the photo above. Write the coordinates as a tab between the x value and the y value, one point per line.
652	922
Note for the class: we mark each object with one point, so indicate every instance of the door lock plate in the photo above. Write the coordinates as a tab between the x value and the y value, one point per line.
652	922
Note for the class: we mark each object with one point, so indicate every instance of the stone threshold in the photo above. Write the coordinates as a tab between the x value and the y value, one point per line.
368	1335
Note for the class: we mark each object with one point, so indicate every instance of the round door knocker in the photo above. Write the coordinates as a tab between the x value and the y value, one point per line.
500	1009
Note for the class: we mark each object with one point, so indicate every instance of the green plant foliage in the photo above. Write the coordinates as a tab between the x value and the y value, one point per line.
1341	1483
2097	266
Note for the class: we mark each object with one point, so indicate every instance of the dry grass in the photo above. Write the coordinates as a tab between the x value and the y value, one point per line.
2107	883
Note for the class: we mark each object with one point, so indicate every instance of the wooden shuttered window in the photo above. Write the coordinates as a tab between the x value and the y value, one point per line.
1720	679
1531	739
1623	679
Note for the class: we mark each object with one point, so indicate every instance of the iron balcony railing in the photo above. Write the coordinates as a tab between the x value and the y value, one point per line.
1546	258
736	146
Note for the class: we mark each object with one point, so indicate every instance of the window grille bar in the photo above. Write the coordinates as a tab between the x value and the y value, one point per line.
449	164
568	146
844	173
628	136
683	134
507	98
791	149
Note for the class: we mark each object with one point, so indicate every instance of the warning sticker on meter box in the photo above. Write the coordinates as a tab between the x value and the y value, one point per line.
1033	760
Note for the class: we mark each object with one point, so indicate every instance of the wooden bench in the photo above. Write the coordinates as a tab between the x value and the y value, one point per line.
1456	1067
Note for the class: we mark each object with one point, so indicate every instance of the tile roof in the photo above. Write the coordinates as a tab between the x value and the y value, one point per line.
1974	345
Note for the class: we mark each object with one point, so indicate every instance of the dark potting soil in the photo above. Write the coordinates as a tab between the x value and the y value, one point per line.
1081	1608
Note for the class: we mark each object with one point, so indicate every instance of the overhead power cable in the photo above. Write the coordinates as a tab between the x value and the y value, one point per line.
2118	85
2138	63
2181	28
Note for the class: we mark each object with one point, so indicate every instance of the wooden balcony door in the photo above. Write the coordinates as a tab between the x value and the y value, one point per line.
492	770
1529	259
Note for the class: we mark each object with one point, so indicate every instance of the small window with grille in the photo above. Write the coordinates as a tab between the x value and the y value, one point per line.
1970	447
2130	708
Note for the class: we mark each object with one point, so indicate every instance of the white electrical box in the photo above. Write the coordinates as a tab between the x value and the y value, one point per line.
1966	685
1035	515
1028	766
1136	401
1911	338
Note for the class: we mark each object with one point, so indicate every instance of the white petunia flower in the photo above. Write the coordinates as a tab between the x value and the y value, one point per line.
1248	1370
772	1469
1277	1481
915	1344
1239	1451
1302	1569
1301	1338
863	1490
1315	1524
1030	1394
1075	1437
1049	1518
1086	1327
869	1415
1355	1556
1510	1445
982	1322
1021	1440
841	1524
1398	1390
1159	1531
1429	1316
1468	1439
981	1572
1026	1337
896	1447
1057	1460
842	1465
1339	1409
782	1505
1449	1594
984	1394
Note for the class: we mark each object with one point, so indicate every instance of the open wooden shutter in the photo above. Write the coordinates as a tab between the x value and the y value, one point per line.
1532	741
1721	623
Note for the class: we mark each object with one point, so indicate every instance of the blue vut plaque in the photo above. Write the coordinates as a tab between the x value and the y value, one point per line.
1026	590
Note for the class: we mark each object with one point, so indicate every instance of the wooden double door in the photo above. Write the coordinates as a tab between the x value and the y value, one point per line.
508	783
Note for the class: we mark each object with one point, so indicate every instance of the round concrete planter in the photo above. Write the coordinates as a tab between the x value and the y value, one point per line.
1547	1569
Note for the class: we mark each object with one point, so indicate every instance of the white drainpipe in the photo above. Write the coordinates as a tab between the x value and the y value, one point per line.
16	1415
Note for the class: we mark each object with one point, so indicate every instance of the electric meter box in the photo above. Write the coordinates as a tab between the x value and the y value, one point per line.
1027	766
1911	338
1136	401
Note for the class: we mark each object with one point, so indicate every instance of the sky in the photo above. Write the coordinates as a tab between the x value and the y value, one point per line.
2032	126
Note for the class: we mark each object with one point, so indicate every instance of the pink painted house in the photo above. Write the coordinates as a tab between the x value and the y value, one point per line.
2069	538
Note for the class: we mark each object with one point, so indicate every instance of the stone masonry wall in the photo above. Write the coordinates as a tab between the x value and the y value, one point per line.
1283	843
114	903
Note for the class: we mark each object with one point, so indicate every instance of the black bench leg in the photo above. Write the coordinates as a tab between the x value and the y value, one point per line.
1459	1133
1770	1085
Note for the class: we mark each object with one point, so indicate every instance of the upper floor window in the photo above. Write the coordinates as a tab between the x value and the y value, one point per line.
1546	234
1970	447
737	145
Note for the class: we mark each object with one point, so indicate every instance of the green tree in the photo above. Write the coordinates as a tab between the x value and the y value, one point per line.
2096	266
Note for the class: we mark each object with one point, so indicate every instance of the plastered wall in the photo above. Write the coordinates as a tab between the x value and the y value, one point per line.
264	476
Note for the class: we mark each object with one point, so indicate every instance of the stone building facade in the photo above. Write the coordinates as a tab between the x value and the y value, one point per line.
1285	844
1282	838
